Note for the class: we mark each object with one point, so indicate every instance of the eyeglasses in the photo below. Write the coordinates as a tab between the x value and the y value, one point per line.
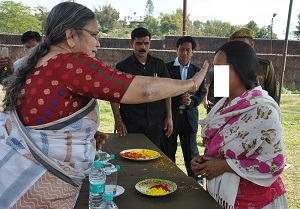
96	35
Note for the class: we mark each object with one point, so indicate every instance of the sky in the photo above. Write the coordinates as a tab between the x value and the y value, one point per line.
237	12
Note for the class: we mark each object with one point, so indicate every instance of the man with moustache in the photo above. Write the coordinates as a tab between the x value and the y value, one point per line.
152	119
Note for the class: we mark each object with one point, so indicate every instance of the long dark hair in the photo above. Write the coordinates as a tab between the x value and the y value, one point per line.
244	61
64	16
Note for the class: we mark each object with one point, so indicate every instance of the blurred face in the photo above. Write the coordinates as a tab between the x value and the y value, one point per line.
141	47
89	41
236	87
29	44
184	53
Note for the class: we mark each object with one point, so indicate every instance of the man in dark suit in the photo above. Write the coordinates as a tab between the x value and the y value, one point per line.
184	107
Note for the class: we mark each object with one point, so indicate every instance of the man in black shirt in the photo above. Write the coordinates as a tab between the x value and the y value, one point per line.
147	118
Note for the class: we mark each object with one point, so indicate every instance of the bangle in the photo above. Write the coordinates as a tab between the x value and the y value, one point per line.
195	85
195	88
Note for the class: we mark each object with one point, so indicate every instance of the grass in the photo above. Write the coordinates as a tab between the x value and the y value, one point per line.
290	118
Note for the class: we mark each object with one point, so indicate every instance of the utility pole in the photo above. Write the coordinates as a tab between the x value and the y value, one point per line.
274	15
184	18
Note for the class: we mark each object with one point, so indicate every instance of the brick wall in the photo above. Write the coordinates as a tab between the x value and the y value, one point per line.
114	50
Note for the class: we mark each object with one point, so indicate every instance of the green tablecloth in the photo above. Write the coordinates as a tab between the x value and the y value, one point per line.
189	193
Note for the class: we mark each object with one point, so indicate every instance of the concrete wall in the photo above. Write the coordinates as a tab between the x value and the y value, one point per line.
114	50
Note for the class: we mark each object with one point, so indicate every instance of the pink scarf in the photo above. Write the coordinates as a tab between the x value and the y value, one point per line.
246	132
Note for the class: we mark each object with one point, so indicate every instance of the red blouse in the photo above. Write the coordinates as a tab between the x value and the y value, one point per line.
66	83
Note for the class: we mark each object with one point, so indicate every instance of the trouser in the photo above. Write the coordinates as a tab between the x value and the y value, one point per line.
151	132
209	107
183	129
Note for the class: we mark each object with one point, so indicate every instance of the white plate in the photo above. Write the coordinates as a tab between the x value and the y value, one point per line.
120	190
125	153
144	185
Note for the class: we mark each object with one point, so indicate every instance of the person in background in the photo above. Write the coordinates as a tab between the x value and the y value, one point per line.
29	40
244	153
266	73
209	100
151	119
6	67
49	135
185	106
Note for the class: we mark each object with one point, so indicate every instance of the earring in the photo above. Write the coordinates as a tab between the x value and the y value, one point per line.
71	47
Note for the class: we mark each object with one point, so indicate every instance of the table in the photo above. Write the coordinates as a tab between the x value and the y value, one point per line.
189	193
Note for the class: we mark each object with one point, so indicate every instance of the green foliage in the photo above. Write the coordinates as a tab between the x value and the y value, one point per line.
107	17
297	32
171	24
15	18
149	8
153	26
218	28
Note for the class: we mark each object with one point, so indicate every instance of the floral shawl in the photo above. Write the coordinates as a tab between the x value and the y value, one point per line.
67	145
246	132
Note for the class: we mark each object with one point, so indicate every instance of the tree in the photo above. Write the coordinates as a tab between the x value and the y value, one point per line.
297	32
153	26
171	24
262	33
218	28
253	26
16	18
149	8
107	17
41	14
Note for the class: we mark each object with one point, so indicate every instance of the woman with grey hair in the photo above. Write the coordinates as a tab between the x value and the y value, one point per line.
51	117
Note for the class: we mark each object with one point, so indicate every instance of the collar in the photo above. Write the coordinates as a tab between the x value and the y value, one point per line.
134	59
177	63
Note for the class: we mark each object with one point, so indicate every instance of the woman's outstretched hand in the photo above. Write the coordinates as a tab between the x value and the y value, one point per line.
199	77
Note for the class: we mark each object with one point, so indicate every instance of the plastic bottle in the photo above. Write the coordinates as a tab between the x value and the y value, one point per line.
108	202
97	180
105	157
111	177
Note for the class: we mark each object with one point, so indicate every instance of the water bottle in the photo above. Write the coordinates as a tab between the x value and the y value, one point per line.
105	157
97	180
108	202
111	177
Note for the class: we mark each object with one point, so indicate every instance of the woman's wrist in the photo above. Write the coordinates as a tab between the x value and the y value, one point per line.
194	87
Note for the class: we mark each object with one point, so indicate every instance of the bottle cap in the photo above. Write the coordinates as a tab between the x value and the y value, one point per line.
98	164
112	156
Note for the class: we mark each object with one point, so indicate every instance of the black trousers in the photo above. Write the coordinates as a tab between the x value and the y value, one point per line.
187	137
154	132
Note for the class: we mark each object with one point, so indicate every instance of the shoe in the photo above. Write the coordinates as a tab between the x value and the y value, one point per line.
199	180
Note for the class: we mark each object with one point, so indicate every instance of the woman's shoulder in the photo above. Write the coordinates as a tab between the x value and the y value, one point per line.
67	60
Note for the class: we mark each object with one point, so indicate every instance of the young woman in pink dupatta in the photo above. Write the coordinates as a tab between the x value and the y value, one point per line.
244	155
